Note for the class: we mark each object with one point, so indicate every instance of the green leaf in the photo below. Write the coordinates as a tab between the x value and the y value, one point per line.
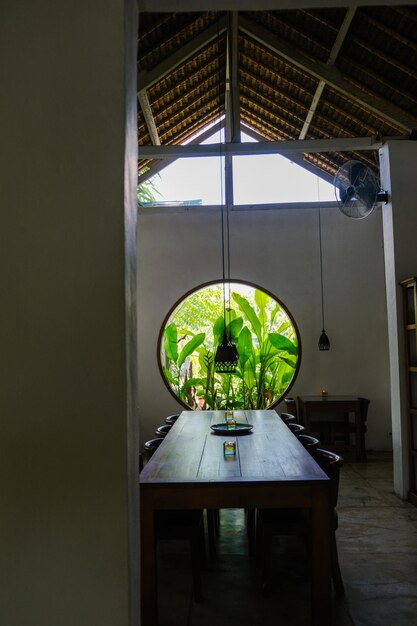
244	346
190	346
234	328
291	362
282	343
261	300
218	330
283	327
170	344
170	378
250	314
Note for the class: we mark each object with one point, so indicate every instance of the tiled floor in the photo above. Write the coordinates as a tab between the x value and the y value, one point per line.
377	541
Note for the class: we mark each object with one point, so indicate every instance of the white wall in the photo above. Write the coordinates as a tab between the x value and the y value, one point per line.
63	400
398	166
277	250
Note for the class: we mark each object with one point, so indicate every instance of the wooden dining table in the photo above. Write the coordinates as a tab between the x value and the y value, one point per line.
271	469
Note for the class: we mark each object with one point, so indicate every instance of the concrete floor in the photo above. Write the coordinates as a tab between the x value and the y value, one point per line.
377	542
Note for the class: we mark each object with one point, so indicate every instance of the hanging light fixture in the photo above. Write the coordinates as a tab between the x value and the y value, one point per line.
226	357
324	343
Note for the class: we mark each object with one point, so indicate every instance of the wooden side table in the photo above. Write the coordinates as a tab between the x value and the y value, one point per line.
313	408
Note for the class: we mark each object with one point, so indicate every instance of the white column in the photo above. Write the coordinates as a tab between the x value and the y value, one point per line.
398	162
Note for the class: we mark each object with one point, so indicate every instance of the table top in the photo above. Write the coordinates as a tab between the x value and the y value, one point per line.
193	453
328	398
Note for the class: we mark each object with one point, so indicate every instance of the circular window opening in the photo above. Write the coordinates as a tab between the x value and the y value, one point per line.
265	335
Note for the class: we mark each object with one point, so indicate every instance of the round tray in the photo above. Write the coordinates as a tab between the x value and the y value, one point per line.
239	429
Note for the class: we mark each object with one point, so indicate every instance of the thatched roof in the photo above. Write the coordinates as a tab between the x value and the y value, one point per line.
302	74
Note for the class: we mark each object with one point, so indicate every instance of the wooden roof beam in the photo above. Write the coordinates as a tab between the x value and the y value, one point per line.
341	36
148	117
328	74
232	81
265	147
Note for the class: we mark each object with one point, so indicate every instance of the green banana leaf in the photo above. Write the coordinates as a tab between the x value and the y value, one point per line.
170	344
250	314
282	343
244	346
190	346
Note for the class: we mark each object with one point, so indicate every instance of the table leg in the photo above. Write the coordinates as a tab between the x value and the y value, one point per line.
149	599
359	436
321	590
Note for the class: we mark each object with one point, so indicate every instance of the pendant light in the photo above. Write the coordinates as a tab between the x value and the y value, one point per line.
226	356
324	343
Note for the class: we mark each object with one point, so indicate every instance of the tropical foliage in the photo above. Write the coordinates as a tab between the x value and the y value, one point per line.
147	192
263	333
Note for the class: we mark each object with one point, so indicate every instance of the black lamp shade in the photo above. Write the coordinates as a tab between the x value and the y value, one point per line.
226	357
324	343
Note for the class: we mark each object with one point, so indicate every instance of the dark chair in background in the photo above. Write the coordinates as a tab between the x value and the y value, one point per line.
309	442
151	446
287	418
171	419
281	522
296	429
291	406
163	430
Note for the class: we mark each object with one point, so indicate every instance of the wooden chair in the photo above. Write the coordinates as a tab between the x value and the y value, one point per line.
331	463
277	522
171	419
291	406
181	525
150	446
163	430
287	417
297	429
309	442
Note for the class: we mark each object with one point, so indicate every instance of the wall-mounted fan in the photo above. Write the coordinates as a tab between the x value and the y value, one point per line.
357	190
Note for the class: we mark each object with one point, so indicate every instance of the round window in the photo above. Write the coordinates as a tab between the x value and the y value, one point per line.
266	337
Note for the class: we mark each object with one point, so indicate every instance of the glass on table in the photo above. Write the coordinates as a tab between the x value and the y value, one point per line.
229	448
230	419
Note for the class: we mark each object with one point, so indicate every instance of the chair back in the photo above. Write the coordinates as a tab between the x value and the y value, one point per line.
171	419
163	430
291	406
309	442
151	446
287	417
297	429
331	463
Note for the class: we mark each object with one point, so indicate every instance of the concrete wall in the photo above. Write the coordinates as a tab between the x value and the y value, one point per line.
278	250
63	460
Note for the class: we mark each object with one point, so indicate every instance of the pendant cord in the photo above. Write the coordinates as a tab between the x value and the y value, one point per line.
321	273
221	181
228	253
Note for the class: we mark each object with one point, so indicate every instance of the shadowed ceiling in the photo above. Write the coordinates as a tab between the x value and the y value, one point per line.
286	75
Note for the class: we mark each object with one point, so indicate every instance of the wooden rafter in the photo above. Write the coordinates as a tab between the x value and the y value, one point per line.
328	74
341	36
270	147
148	117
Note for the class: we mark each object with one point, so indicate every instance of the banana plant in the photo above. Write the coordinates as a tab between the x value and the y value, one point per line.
267	349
